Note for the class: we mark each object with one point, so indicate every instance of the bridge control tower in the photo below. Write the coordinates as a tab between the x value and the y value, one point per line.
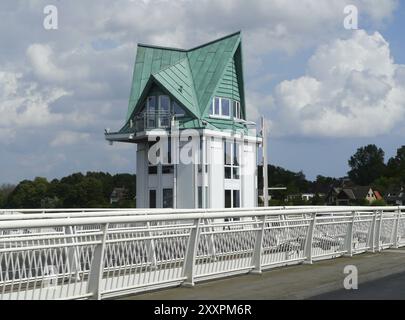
194	100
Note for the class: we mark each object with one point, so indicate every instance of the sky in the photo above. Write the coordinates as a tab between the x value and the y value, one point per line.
324	90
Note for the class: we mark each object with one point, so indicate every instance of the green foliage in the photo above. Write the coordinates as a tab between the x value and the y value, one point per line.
92	190
367	165
5	190
396	166
378	203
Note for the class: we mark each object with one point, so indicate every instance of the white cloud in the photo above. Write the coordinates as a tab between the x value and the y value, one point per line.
351	89
65	138
40	57
77	78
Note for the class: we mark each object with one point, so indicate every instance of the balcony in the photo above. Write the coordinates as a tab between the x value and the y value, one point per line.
151	120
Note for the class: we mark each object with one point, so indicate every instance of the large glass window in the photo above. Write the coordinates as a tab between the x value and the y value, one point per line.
228	198
225	103
164	104
177	110
167	198
232	160
236	199
152	104
152	199
217	106
225	107
232	199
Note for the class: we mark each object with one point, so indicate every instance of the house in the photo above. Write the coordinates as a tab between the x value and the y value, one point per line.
191	103
396	197
357	195
301	197
331	197
118	194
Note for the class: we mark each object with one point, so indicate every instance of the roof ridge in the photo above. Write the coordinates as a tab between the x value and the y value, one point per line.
188	50
216	40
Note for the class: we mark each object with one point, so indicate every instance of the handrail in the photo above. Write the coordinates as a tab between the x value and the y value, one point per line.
101	254
183	214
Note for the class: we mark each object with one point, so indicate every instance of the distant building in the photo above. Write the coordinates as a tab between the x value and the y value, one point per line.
301	196
118	195
355	195
331	197
396	197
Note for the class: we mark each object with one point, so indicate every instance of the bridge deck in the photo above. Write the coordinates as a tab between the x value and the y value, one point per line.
294	282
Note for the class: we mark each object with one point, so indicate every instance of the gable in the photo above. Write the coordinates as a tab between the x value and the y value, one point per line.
191	77
208	64
148	61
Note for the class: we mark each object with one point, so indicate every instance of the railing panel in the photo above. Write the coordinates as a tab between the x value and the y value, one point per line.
329	235
225	246
106	254
284	240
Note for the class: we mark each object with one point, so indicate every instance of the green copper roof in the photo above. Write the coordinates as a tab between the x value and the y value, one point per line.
193	77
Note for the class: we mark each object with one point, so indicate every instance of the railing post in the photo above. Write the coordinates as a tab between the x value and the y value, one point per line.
211	241
349	236
258	248
379	225
371	238
151	253
309	240
396	228
97	266
191	253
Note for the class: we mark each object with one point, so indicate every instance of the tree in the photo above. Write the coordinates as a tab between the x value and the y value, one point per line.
396	166
5	191
28	194
367	165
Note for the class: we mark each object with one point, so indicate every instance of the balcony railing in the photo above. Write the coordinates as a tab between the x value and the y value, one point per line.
104	254
151	120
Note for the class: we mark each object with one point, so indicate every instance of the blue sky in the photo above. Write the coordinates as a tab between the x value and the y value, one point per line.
324	90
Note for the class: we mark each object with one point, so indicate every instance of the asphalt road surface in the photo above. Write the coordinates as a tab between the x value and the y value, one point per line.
388	288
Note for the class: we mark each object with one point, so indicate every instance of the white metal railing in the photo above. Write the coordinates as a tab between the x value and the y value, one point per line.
95	254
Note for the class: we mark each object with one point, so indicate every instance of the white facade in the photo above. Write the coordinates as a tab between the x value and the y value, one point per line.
212	184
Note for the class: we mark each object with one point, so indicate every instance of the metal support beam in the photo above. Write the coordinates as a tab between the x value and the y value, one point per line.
97	266
309	240
191	253
349	236
258	248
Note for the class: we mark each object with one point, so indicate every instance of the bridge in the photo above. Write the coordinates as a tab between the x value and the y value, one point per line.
102	254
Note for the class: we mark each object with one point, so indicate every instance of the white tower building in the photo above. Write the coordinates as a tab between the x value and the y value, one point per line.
187	107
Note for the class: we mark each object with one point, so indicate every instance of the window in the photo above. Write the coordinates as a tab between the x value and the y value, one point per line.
152	199
236	109
164	104
228	199
232	160
151	104
152	169
167	169
217	105
225	106
200	197
177	110
167	198
236	199
232	199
